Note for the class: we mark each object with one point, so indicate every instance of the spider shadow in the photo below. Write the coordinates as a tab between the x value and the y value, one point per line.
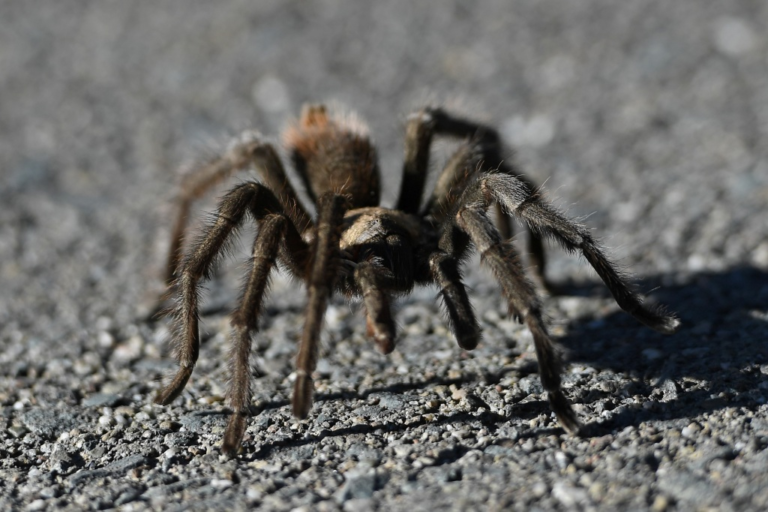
310	441
713	362
398	388
488	419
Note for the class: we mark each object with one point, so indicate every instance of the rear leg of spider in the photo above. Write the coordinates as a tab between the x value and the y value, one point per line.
246	151
481	151
248	198
197	266
245	324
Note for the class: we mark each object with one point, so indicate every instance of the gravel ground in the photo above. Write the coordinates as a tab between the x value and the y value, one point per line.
647	118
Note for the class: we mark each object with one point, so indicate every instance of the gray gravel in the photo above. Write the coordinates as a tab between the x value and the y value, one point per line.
647	118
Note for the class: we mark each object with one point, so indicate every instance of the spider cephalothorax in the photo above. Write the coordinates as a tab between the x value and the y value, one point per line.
359	248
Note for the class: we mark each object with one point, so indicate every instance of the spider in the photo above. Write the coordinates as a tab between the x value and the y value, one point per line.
357	247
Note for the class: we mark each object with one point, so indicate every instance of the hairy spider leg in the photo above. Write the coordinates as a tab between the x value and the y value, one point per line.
320	284
246	151
504	263
418	141
380	326
249	197
485	143
445	273
386	266
520	200
245	323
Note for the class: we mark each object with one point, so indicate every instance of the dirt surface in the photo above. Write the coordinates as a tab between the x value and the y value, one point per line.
648	120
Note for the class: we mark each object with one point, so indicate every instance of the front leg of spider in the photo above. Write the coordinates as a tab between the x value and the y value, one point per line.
320	282
520	201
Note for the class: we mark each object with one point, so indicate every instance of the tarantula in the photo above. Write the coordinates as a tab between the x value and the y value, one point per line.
359	248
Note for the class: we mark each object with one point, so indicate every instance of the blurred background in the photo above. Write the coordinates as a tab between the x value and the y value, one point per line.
647	119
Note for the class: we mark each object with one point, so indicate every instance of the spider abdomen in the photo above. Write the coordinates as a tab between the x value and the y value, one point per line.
334	154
